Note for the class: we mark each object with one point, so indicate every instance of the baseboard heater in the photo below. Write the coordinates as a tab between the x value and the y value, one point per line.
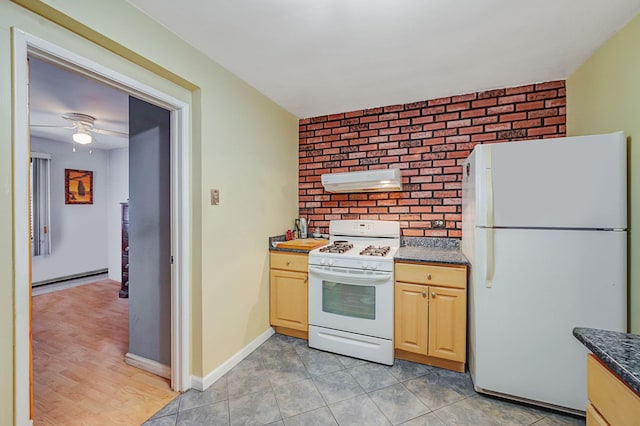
71	277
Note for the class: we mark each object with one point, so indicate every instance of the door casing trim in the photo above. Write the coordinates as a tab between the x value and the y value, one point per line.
25	45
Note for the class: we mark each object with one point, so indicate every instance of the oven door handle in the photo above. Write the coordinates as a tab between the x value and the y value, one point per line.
360	278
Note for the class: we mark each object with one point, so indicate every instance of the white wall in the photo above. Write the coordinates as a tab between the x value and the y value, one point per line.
118	192
78	232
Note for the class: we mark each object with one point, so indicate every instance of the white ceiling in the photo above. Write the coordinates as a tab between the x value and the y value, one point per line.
54	91
317	57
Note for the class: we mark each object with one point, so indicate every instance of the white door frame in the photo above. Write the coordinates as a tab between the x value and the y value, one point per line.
25	45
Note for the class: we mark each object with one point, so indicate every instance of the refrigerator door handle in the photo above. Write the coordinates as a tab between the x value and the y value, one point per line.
489	256
489	181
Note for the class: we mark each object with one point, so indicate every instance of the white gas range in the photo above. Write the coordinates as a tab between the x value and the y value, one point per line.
351	290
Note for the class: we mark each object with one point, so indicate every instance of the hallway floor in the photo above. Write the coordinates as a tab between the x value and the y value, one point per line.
80	337
284	382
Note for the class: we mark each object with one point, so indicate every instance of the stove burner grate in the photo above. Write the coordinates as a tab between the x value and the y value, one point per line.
375	251
337	247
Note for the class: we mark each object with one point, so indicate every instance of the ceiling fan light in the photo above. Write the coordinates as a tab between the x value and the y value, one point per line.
82	137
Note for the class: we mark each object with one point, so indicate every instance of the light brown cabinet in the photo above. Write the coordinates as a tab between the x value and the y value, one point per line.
289	293
447	323
431	314
611	402
411	318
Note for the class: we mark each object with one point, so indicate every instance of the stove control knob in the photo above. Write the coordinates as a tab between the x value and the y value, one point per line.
323	261
330	262
374	266
365	265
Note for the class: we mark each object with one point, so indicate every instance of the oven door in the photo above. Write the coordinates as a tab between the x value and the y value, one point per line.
355	300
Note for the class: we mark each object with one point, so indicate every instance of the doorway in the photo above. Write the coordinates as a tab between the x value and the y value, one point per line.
26	45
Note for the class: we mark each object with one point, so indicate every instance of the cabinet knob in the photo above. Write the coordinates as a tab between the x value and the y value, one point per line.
424	294
126	248
428	276
433	294
126	266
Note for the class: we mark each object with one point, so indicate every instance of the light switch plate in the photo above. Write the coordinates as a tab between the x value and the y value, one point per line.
215	197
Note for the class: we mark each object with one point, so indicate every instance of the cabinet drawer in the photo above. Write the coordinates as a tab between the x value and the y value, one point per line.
444	276
290	261
618	404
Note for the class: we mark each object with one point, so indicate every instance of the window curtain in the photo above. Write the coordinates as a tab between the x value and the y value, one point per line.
40	204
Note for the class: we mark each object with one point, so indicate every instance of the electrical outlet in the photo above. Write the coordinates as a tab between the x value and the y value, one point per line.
437	224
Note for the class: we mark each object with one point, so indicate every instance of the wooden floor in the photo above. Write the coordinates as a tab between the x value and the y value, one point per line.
80	337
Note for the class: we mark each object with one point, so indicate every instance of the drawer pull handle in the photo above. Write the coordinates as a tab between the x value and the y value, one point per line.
424	294
288	262
428	276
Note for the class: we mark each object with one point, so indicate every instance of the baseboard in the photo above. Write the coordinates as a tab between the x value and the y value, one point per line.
202	384
429	360
71	277
149	365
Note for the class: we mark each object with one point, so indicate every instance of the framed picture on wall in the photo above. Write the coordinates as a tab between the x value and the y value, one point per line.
78	186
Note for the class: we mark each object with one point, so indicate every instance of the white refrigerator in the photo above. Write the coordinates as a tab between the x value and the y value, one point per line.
545	230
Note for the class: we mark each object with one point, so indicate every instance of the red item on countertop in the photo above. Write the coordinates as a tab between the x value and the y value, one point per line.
290	235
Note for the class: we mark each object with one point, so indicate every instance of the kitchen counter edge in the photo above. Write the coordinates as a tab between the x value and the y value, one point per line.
411	254
289	250
618	351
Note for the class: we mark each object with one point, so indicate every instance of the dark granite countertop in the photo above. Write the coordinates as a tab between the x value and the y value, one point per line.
618	351
431	255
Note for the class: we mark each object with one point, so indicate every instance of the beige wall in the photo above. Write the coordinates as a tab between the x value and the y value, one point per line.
603	95
242	144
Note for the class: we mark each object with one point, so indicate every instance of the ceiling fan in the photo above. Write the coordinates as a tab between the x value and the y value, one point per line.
83	126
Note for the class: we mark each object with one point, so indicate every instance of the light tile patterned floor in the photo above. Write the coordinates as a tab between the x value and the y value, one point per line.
284	382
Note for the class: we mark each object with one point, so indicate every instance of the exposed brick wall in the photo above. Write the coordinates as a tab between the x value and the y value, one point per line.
429	141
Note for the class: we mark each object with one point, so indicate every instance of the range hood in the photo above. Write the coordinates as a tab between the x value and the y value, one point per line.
365	181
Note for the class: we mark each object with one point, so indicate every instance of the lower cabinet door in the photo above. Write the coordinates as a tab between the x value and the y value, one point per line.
289	306
614	402
411	317
594	418
447	323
